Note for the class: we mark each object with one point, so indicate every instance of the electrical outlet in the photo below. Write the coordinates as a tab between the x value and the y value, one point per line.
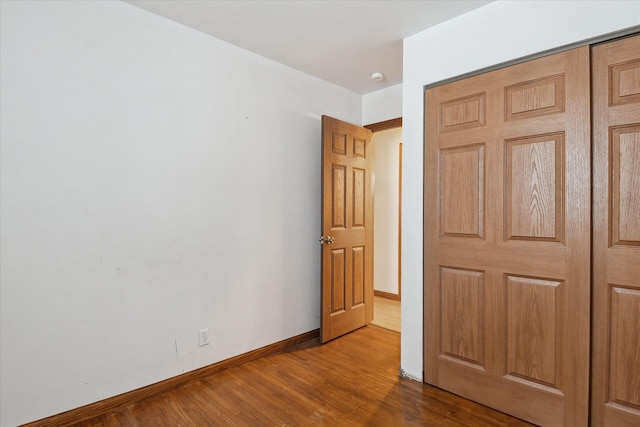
203	337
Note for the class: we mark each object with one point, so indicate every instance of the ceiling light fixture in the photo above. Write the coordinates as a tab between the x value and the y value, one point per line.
377	76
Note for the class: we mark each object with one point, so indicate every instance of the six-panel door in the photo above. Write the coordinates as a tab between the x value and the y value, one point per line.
347	228
507	238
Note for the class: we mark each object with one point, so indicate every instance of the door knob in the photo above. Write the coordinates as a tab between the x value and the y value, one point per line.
327	240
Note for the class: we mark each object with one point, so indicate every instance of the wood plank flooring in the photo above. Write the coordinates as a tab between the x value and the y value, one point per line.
386	313
350	381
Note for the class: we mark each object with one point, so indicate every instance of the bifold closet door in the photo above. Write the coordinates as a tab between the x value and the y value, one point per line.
616	234
507	238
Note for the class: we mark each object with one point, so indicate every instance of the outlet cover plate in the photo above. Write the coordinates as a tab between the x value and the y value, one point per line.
204	337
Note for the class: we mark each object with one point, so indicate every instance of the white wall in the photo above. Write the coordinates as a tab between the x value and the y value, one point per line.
154	181
386	209
381	105
499	32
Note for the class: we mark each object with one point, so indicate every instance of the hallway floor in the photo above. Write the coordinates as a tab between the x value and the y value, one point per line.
386	313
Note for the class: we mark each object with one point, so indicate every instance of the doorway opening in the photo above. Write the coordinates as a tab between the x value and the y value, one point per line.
387	171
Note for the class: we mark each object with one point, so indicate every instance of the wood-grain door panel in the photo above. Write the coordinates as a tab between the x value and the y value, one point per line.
615	398
461	328
462	191
507	234
534	192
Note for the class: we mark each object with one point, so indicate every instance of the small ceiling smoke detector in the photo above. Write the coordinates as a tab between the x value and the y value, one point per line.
377	76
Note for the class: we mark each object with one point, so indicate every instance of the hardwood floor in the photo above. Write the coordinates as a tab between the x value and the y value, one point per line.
386	313
350	381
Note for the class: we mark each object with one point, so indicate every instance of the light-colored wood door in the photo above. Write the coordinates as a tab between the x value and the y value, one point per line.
507	238
616	234
347	228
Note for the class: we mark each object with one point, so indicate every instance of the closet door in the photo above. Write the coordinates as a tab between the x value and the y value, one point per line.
507	239
616	233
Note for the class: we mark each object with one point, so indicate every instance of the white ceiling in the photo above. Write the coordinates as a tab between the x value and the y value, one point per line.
342	42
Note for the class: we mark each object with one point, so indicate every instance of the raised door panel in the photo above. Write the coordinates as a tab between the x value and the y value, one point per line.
624	373
358	274
338	281
358	194
462	113
339	197
534	188
462	192
534	330
462	321
359	147
535	98
615	391
625	185
339	143
624	83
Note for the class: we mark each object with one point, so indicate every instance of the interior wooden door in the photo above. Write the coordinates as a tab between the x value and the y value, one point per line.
616	234
507	238
347	228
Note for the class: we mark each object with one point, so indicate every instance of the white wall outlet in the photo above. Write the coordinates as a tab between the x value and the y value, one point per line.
204	337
